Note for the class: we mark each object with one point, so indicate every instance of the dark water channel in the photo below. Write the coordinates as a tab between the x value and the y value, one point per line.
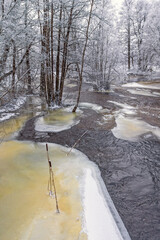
131	171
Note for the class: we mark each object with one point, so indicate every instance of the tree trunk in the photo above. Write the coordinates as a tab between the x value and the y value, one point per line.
129	44
29	80
2	7
52	57
4	57
46	53
48	57
11	71
14	68
83	57
139	55
42	73
43	90
58	56
65	51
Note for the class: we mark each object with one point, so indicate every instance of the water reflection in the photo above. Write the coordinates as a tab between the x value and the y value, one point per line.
11	126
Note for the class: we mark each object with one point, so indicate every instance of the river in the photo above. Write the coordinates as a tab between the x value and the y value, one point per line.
122	139
28	212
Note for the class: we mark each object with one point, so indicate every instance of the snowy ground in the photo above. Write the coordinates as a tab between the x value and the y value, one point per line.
8	111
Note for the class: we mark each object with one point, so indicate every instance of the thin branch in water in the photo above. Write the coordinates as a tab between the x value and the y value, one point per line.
76	142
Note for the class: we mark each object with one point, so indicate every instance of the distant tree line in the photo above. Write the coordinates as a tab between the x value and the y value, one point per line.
139	28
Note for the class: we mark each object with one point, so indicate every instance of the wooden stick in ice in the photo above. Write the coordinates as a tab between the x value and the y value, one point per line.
52	181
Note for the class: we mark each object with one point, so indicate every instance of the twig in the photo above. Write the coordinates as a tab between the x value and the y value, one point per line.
51	180
77	142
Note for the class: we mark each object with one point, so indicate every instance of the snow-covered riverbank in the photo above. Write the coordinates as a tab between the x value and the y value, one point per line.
9	110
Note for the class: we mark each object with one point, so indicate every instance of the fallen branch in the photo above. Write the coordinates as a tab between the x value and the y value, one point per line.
77	142
51	181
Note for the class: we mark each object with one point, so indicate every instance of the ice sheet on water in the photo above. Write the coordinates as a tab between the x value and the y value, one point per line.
142	85
26	186
122	105
92	106
132	128
143	92
57	120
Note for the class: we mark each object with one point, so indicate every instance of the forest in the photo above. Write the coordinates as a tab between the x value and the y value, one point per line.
44	42
79	119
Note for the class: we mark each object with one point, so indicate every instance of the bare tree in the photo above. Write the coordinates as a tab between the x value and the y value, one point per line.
14	68
80	70
29	80
58	55
128	4
65	51
52	53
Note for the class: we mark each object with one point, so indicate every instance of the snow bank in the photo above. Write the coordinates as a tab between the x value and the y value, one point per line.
6	116
141	85
98	219
7	111
14	105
